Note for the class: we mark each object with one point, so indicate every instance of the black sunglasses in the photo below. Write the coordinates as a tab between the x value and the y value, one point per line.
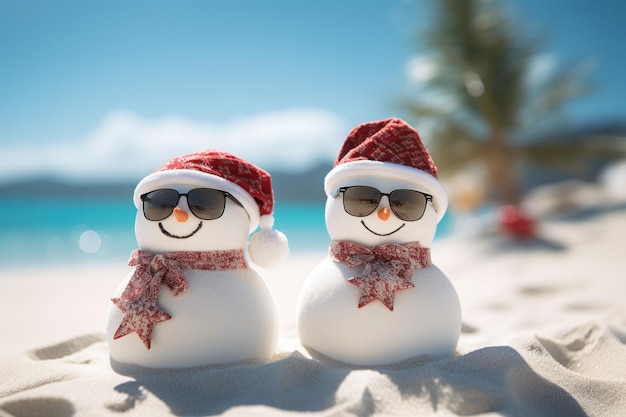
204	203
407	205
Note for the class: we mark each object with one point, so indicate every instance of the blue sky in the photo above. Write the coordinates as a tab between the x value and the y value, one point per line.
109	90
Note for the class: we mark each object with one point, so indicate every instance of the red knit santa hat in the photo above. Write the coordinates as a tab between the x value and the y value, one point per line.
249	184
392	149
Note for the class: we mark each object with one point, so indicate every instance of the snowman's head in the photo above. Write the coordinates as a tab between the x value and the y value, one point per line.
384	187
189	210
185	217
205	201
372	211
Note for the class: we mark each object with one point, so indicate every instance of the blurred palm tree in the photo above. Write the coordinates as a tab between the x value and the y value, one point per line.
482	66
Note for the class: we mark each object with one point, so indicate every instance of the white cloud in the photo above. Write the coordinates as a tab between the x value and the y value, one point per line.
127	146
540	69
421	69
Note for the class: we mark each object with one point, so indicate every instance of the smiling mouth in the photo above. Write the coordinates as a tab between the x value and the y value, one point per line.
168	234
381	234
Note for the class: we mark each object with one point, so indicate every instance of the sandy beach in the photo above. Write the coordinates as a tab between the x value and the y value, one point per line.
544	334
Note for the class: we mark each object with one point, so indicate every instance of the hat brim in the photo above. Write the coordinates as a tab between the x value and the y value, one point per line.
193	178
366	168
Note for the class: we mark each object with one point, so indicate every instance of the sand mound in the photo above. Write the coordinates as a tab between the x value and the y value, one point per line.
577	371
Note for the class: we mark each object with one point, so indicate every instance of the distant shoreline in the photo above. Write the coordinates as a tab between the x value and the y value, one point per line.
289	186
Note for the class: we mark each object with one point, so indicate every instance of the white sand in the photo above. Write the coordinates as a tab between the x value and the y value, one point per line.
544	335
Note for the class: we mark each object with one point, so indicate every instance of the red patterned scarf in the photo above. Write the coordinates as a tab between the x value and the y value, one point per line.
388	268
138	301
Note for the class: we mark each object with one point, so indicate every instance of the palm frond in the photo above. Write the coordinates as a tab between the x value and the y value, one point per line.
483	61
562	87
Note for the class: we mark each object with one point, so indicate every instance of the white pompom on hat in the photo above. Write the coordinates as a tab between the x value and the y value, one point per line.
249	184
387	148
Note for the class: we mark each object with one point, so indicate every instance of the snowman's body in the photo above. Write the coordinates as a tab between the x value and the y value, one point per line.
223	316
425	320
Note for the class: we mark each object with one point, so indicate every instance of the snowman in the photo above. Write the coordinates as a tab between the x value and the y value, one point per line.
192	298
377	299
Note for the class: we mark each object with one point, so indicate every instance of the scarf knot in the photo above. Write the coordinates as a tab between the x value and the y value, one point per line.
138	301
386	268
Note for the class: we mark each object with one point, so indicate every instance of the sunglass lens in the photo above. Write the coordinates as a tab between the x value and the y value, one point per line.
206	203
159	204
407	205
360	201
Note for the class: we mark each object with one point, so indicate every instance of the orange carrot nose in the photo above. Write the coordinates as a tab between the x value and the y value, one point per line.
384	213
181	215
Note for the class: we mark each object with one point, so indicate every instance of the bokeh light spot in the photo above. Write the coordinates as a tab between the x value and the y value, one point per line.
89	241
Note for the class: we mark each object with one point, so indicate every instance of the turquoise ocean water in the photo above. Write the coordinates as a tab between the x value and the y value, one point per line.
36	232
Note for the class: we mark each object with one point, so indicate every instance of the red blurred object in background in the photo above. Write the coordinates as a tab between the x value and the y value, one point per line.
514	222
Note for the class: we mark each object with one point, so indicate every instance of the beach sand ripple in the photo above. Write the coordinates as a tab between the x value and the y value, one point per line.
576	371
